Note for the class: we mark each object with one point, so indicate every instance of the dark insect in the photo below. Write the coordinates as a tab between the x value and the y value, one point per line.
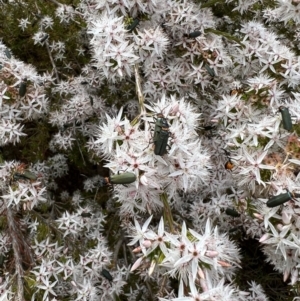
232	212
161	135
281	199
26	175
23	87
44	38
133	25
123	179
286	118
193	34
91	100
106	274
7	53
86	214
210	71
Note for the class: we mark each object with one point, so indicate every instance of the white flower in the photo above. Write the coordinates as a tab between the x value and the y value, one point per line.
281	240
140	233
23	23
47	287
255	166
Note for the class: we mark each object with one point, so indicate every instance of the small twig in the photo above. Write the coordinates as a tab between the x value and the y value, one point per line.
117	248
52	61
160	292
18	258
55	2
132	255
150	290
80	152
125	255
96	193
139	89
167	211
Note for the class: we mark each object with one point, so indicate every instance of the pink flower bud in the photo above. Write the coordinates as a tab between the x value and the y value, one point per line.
286	218
74	283
211	254
136	264
264	237
174	109
201	274
137	250
147	243
285	275
279	227
224	264
259	216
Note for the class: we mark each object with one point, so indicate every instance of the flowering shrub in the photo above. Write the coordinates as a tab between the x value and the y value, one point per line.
146	147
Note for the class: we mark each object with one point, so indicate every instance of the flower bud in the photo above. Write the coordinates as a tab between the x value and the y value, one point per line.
137	250
211	254
285	275
224	264
175	109
200	273
147	243
258	216
279	227
264	237
74	283
136	264
286	218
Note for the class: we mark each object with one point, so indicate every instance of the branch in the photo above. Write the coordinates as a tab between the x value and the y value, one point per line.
117	248
52	61
13	231
55	2
139	88
167	211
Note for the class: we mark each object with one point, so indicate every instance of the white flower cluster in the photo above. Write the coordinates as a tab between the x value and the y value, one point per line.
218	141
284	238
22	96
18	189
130	147
115	55
193	258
